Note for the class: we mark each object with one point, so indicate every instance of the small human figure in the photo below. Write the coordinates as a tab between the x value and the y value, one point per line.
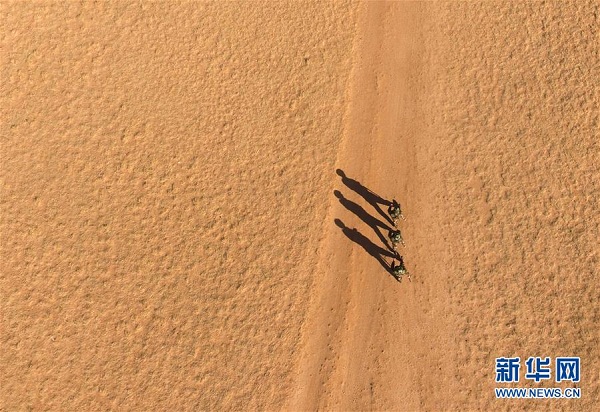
396	237
395	212
399	270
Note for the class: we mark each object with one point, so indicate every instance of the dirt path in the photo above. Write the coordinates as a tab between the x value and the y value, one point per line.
365	333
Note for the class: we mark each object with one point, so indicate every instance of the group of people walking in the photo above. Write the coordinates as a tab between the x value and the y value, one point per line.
395	236
394	213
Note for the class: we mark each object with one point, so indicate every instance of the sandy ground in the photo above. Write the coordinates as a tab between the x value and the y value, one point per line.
174	235
165	171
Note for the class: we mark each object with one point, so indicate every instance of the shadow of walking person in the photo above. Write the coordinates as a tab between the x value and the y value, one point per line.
371	248
372	198
373	222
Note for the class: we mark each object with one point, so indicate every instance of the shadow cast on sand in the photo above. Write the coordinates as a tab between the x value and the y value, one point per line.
372	198
371	248
375	224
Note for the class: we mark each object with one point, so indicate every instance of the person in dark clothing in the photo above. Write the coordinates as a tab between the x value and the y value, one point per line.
395	212
396	237
399	270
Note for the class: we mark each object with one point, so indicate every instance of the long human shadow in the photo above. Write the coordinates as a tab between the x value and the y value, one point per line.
372	198
371	248
373	222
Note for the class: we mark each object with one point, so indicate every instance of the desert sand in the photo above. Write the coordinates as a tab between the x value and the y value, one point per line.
185	222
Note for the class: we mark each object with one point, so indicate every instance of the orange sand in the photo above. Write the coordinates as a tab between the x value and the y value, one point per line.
167	204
